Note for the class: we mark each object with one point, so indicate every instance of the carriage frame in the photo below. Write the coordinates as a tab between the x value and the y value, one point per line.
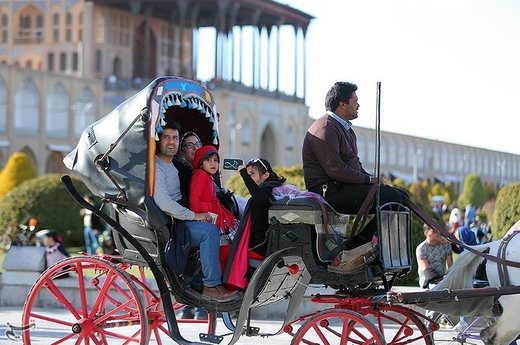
302	241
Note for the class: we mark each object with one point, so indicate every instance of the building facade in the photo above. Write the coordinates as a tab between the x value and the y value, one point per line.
65	63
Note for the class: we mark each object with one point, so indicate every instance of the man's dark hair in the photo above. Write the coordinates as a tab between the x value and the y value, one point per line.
171	124
339	92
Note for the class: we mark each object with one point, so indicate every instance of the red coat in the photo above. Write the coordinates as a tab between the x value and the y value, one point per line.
203	198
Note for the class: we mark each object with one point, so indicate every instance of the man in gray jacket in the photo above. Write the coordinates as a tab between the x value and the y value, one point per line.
203	234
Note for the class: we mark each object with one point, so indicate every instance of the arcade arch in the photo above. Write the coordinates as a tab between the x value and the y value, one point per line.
268	144
86	108
54	163
27	108
3	105
57	112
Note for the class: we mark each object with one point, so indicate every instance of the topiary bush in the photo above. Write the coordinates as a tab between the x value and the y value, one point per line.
472	192
17	170
46	199
507	210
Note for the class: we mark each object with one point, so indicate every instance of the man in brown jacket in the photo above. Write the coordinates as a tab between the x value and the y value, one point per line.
331	165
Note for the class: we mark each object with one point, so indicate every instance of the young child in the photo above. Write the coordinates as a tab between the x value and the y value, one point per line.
260	179
54	249
203	196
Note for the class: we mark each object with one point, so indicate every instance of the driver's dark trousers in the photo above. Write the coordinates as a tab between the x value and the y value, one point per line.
348	198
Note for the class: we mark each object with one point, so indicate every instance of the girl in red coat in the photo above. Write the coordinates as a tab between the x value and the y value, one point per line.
203	189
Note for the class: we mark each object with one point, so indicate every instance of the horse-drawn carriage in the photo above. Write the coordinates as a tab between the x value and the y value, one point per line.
112	299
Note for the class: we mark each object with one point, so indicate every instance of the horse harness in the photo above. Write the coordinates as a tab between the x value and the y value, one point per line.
503	273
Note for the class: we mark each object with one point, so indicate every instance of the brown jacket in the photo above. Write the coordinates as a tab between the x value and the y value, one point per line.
330	154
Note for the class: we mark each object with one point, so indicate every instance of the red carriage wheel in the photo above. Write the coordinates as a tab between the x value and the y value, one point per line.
98	303
338	327
158	329
402	324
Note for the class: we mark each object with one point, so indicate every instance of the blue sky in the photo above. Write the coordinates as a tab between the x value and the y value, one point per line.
449	68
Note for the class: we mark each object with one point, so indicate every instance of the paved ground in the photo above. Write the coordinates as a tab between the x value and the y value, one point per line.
44	334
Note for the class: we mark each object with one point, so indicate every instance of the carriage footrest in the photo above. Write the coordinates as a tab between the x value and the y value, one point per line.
211	338
251	331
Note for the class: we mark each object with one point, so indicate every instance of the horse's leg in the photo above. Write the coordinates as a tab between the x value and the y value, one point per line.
506	327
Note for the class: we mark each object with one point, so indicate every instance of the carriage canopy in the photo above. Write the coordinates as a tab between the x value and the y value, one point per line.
114	154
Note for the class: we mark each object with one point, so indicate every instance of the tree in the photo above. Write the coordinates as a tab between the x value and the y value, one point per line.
472	192
17	170
399	183
46	199
417	190
507	209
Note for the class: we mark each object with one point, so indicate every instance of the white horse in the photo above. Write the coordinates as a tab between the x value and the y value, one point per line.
460	276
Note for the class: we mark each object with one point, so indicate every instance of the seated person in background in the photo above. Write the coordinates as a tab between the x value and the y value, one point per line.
203	190
250	240
331	167
54	250
433	255
203	234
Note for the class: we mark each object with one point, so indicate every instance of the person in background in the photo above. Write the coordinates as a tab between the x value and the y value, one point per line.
460	231
470	215
434	256
54	250
250	241
107	243
89	232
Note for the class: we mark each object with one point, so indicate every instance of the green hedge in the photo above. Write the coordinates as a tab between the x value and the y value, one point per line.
46	199
507	210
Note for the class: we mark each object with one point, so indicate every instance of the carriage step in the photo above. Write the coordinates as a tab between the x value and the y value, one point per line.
251	331
211	338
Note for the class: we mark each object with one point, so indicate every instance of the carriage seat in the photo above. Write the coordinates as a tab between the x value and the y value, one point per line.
330	226
145	225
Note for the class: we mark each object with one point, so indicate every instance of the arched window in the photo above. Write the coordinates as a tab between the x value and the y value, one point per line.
56	27
27	108
371	151
57	112
5	28
54	163
68	28
86	109
245	133
437	159
32	157
392	152
411	159
289	139
445	159
362	147
3	106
